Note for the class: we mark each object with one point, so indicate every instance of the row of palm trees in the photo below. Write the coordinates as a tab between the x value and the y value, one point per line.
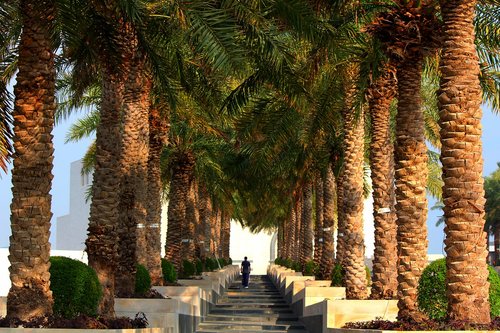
263	106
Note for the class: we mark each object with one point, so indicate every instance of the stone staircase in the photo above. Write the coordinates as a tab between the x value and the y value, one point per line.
258	309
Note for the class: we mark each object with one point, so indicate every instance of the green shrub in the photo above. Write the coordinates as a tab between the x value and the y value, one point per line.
338	276
199	266
296	266
168	269
142	280
210	264
310	268
75	287
188	268
278	261
288	263
229	261
222	262
432	290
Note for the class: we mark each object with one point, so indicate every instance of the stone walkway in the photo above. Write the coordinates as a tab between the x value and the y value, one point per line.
258	309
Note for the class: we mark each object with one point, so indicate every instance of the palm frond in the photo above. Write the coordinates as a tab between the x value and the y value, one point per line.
84	127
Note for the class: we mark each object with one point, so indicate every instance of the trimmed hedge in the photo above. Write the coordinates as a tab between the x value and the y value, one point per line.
432	291
199	266
188	268
310	268
168	269
210	264
142	280
75	288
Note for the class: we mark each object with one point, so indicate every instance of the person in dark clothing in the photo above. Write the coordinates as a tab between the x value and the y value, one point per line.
245	271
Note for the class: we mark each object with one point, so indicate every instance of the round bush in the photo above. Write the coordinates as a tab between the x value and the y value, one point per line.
210	264
168	269
75	288
338	276
199	266
229	261
188	268
310	268
432	291
142	279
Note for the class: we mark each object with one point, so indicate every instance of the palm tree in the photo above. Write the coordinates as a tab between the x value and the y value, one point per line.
34	105
381	94
151	256
306	225
352	198
329	210
461	156
318	226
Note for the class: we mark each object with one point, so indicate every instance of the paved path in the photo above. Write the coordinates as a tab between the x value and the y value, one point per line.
258	309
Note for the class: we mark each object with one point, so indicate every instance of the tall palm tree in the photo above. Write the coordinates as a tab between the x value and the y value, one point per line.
34	105
329	211
381	94
158	136
306	226
318	226
352	198
461	156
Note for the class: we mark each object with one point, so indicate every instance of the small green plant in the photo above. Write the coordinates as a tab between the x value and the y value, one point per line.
432	291
229	261
199	266
310	268
296	266
222	262
188	268
210	264
142	280
338	276
75	288
169	273
278	261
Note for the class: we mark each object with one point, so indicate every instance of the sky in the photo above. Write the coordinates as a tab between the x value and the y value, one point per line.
65	153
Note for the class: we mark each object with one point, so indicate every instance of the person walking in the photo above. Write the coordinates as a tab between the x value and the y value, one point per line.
245	271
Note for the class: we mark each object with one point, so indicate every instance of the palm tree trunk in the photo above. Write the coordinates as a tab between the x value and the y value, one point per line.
179	190
329	203
151	258
318	226
133	169
340	255
292	226
411	178
205	210
192	220
298	223
307	230
225	234
29	251
352	184
461	156
382	92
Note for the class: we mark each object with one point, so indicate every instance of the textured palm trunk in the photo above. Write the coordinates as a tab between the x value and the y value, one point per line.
179	191
382	92
280	236
214	231
151	242
205	211
318	226
298	223
197	218
225	234
411	178
352	199
329	208
133	168
461	156
29	251
292	225
192	220
306	225
339	255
